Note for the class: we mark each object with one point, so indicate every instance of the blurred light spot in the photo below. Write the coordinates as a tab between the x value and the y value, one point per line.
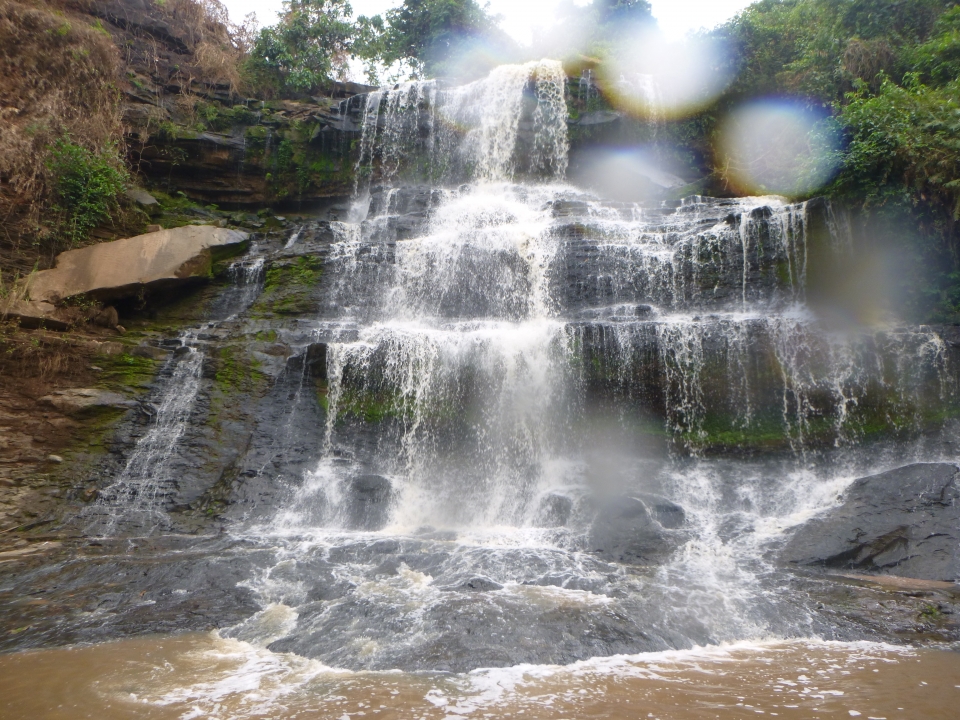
779	146
627	175
649	76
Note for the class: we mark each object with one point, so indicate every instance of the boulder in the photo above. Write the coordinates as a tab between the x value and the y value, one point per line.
554	510
904	522
642	529
141	197
107	317
77	400
123	267
477	584
119	269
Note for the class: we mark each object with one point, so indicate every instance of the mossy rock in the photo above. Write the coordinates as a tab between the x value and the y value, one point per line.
291	287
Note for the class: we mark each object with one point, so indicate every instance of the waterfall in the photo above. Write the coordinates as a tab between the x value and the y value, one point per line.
140	493
520	423
558	302
511	123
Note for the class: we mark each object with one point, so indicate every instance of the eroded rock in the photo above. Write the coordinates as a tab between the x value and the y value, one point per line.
904	522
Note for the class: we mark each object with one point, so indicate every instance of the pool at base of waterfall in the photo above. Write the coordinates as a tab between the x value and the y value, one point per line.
207	676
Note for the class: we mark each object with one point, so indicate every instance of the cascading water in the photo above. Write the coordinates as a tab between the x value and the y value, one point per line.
512	123
140	493
523	362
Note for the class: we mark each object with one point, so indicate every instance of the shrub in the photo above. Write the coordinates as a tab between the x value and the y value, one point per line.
87	187
57	78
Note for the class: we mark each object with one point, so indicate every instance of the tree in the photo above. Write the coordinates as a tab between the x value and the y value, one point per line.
433	33
310	45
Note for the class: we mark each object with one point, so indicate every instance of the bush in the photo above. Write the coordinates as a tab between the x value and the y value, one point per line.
57	79
87	188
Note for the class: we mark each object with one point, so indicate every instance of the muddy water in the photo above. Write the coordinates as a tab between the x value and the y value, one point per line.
205	676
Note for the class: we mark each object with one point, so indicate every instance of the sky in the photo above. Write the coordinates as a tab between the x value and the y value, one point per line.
521	17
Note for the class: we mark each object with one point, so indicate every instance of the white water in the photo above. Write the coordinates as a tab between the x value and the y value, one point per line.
508	359
525	352
471	132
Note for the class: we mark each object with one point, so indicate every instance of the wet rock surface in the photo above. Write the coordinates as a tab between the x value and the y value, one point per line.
82	593
644	530
904	522
339	365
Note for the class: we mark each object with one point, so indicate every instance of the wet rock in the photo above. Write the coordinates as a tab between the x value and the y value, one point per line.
478	584
368	502
554	510
317	360
77	400
639	529
904	522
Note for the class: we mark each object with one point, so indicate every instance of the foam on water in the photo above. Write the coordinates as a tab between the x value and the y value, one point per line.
207	676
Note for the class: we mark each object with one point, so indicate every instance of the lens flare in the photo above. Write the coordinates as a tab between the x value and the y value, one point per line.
635	174
780	147
474	57
651	77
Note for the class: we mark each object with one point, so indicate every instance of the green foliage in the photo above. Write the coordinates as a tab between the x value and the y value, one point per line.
432	33
938	59
87	187
820	48
309	46
907	136
890	71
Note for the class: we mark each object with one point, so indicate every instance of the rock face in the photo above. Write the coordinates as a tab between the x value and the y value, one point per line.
903	522
642	529
369	504
123	267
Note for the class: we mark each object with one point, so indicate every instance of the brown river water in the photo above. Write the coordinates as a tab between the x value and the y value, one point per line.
205	676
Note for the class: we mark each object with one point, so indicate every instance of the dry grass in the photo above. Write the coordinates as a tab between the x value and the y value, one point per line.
57	77
60	74
218	46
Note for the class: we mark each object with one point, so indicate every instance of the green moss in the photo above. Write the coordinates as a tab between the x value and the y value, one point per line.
288	288
371	407
236	373
127	371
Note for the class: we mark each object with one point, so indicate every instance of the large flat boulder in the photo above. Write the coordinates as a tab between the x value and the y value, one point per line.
123	267
904	522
